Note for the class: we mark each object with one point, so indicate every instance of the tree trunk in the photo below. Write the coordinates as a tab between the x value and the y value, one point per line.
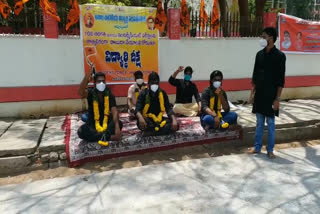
260	7
258	22
223	17
244	17
165	6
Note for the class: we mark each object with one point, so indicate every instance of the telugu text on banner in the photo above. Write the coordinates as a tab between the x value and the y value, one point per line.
119	41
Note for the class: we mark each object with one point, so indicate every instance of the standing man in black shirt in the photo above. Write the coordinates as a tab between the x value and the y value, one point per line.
186	89
152	104
267	82
101	126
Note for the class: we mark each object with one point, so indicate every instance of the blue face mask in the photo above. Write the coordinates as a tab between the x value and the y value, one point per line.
187	77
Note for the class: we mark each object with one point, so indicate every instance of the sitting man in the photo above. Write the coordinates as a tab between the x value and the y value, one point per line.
185	90
134	91
101	126
152	104
212	99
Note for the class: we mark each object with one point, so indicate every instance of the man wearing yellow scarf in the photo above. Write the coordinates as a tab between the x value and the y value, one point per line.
134	91
212	99
101	126
151	106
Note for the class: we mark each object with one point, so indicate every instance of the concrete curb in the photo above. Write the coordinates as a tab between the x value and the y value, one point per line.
300	120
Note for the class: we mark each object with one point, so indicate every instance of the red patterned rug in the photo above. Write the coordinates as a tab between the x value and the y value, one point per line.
190	133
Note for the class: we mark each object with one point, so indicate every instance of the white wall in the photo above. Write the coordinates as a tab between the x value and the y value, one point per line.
234	57
36	61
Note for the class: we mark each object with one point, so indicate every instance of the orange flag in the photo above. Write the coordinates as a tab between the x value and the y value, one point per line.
215	16
184	17
203	15
48	8
5	9
73	15
161	18
19	6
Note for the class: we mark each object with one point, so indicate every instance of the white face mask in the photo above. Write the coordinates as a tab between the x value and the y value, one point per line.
101	86
263	43
216	84
154	87
139	81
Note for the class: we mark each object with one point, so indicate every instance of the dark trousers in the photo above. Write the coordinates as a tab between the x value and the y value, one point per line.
88	132
165	130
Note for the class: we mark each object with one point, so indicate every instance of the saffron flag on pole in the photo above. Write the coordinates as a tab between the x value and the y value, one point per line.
19	6
184	17
215	16
49	8
73	15
203	16
5	9
161	18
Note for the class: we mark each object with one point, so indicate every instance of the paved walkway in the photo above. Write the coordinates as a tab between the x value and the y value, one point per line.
227	184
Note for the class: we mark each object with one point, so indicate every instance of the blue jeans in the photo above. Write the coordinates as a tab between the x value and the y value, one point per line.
259	132
85	117
229	117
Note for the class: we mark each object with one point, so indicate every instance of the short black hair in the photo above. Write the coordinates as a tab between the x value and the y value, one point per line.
150	17
138	74
188	69
99	74
271	31
153	76
286	32
216	73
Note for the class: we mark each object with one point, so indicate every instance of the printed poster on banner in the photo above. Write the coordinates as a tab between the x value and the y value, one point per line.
119	41
298	36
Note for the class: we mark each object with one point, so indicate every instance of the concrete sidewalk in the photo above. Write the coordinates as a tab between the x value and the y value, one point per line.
227	184
25	142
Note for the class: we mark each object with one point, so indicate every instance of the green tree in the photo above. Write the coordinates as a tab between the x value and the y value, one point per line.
300	8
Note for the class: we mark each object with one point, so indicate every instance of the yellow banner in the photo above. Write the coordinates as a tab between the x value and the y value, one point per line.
119	41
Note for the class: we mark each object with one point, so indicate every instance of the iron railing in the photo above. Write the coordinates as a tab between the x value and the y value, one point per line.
229	26
30	20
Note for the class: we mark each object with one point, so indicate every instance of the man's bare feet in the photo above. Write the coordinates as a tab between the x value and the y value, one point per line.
271	155
253	151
